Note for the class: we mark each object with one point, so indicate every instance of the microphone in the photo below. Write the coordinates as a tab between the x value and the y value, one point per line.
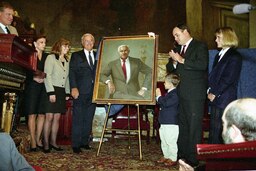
243	8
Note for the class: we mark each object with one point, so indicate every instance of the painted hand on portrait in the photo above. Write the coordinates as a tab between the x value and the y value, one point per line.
74	93
38	80
158	92
211	97
141	92
111	88
52	98
176	57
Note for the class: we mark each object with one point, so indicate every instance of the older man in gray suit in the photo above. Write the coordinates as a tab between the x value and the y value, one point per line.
124	72
6	18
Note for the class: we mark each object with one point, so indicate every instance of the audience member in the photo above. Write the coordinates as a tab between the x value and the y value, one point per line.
168	120
223	80
6	18
35	94
10	158
82	75
124	72
238	125
190	61
58	90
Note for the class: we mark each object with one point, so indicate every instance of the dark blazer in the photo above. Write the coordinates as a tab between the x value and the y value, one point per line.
168	108
81	74
193	74
224	77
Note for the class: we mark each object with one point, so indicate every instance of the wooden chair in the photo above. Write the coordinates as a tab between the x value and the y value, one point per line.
124	121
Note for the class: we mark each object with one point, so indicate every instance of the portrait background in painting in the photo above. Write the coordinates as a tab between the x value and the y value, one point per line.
141	47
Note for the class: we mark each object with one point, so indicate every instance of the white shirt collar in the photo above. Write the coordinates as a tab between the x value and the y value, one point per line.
3	27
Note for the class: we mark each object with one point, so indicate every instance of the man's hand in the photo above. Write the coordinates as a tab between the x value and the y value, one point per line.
211	97
111	87
74	93
158	92
176	57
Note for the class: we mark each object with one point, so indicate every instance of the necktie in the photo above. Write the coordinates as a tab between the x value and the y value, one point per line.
8	31
183	51
90	59
124	68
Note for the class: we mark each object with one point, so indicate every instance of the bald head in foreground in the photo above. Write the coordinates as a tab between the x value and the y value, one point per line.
239	126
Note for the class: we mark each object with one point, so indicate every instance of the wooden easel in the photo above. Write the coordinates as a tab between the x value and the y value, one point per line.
126	130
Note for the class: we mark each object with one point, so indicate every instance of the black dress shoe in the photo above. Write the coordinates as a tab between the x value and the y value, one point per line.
33	149
86	147
56	148
77	150
40	147
46	150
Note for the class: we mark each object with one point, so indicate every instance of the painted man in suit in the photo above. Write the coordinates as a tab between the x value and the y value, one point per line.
82	75
125	84
6	18
190	61
223	80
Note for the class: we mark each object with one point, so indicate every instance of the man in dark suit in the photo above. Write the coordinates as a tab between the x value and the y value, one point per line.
223	80
6	18
82	75
190	61
125	84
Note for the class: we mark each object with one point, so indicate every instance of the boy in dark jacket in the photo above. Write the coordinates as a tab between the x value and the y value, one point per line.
168	120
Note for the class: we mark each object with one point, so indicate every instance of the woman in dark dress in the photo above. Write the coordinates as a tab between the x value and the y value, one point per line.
35	94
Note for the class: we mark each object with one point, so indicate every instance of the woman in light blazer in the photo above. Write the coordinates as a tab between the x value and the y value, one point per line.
58	90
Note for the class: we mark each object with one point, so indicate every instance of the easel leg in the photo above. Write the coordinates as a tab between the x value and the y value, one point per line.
103	130
138	110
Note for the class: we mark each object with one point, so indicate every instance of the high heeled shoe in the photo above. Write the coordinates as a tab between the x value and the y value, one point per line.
56	148
33	149
40	147
46	150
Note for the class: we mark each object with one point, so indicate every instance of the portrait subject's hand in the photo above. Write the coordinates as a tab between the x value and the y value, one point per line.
141	92
52	98
74	93
176	57
111	87
158	92
211	97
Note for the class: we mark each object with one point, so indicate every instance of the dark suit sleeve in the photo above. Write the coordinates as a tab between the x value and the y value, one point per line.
167	101
198	57
72	71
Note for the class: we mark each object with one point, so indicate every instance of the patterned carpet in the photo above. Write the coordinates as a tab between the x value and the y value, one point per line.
113	156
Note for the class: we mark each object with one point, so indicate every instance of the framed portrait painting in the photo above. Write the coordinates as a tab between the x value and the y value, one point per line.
126	70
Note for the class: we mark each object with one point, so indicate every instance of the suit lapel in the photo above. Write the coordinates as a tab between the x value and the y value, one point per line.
119	67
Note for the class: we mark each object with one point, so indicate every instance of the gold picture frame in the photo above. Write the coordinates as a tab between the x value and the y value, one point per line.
143	50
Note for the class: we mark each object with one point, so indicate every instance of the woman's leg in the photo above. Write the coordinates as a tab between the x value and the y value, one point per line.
55	128
32	129
39	129
47	129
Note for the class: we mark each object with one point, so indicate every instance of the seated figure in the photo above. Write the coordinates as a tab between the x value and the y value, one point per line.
238	127
11	159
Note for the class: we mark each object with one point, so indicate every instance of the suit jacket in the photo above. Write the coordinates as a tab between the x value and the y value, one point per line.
56	74
114	69
168	108
224	77
12	30
193	73
81	75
